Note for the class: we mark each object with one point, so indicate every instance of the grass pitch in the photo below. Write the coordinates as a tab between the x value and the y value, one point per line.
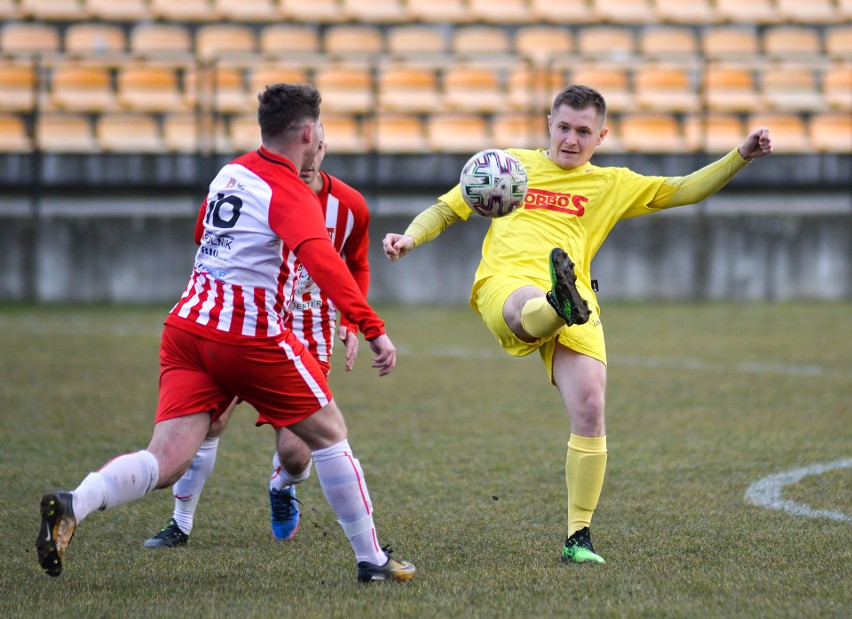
464	451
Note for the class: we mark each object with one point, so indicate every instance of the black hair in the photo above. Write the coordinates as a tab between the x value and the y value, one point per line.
286	106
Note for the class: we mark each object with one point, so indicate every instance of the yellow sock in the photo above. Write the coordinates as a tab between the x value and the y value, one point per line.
539	319
584	473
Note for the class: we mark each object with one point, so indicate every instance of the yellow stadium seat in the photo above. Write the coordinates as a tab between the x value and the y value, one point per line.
222	89
24	37
144	88
344	134
183	11
9	10
289	39
89	38
666	88
810	12
685	11
837	87
791	88
439	11
792	42
375	11
128	133
624	11
533	88
506	12
345	88
472	89
398	133
651	133
714	132
543	43
244	133
160	39
752	12
262	76
456	133
479	40
730	42
612	82
65	133
831	133
214	40
563	12
415	40
13	134
408	88
17	86
730	88
315	11
838	42
119	10
247	10
52	10
518	130
181	133
789	134
668	42
602	43
80	88
345	40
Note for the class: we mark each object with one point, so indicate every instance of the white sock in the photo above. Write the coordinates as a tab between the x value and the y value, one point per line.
280	478
121	480
188	488
342	481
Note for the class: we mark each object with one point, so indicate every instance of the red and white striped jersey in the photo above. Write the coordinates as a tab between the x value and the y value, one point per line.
310	314
258	212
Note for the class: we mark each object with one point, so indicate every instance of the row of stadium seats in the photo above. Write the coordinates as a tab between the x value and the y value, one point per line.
402	133
405	87
437	11
539	42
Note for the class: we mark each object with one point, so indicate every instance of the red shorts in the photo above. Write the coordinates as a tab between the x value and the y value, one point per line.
277	376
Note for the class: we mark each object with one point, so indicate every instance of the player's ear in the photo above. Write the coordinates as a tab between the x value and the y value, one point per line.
308	133
549	123
602	135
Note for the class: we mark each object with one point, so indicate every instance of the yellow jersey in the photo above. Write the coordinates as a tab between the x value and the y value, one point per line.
576	209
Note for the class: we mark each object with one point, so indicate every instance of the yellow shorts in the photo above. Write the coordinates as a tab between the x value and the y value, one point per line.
490	295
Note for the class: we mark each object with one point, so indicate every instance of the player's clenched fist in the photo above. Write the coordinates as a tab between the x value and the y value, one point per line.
396	246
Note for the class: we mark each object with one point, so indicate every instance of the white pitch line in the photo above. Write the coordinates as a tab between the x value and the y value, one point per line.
768	492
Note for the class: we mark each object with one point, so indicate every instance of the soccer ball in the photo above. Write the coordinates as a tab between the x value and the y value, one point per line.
493	182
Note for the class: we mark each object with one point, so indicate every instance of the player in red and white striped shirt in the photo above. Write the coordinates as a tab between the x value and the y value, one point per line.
312	317
225	338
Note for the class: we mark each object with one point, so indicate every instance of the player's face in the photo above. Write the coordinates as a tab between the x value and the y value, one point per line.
310	170
311	148
574	135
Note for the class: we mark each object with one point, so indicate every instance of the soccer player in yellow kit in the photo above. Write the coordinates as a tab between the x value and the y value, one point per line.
531	295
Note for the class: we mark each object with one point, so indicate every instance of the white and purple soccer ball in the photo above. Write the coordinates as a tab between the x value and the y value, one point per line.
493	182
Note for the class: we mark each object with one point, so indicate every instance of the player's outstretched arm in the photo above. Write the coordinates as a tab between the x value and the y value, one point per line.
384	354
757	144
396	245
